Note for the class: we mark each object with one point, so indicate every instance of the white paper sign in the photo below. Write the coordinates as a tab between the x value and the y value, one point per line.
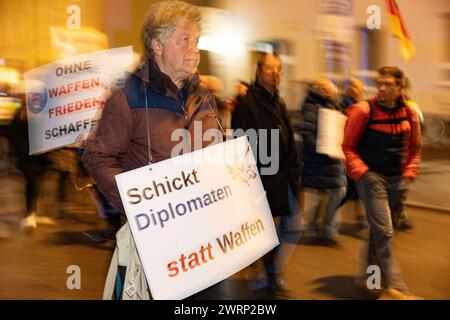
195	222
63	97
330	133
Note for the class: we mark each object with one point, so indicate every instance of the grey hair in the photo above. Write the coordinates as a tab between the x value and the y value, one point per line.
162	18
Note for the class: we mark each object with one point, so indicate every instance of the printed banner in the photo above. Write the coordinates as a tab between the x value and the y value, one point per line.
198	218
63	97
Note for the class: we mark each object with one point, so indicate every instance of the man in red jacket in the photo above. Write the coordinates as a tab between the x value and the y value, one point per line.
382	143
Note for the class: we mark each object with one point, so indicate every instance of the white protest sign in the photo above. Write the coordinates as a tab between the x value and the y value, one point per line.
330	133
194	223
63	97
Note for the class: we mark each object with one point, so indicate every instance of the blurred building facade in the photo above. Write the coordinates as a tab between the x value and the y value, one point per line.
296	22
38	32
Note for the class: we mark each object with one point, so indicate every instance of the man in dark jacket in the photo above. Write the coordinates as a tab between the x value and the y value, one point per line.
323	181
262	108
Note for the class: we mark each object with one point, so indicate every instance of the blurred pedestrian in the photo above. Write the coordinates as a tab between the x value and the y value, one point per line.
400	217
214	85
354	93
323	179
262	108
382	144
33	167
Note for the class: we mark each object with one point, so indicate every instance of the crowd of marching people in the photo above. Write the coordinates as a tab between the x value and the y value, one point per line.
380	147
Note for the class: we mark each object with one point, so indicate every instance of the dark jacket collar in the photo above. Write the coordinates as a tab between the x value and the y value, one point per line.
263	93
160	82
273	104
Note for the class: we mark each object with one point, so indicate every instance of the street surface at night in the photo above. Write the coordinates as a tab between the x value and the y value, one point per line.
34	266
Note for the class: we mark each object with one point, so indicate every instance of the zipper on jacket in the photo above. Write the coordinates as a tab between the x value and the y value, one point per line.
186	125
181	100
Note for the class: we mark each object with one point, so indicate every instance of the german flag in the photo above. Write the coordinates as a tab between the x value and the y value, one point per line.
398	28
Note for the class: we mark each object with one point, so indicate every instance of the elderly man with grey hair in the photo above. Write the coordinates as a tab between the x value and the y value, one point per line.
161	96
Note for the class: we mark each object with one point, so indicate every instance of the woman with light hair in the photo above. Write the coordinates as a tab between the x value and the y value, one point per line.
325	88
323	178
354	92
161	96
